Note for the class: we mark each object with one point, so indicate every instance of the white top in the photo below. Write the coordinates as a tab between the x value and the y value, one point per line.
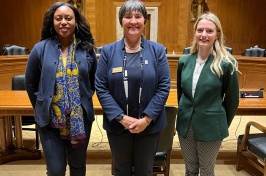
198	68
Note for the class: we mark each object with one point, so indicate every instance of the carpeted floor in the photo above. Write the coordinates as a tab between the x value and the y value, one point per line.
99	147
99	139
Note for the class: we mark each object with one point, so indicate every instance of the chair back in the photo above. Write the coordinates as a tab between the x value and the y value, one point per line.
15	50
167	134
230	50
186	50
165	49
98	50
18	82
255	52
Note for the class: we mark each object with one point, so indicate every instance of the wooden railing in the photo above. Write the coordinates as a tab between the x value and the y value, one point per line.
253	70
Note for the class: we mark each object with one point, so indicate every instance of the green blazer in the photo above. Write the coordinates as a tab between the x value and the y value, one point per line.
215	101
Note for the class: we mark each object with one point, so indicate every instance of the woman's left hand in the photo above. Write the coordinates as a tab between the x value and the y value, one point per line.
139	125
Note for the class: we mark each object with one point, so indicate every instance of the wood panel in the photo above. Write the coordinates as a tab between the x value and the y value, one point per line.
253	72
11	66
21	21
243	22
252	68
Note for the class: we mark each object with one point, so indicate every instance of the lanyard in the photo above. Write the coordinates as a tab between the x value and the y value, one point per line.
125	76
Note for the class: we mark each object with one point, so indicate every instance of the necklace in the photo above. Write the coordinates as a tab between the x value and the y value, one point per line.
132	48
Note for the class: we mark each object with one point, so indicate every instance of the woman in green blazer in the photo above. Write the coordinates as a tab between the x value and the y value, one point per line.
208	96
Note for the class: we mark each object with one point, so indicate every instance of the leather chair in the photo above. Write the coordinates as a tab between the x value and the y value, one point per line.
187	50
98	50
230	50
163	155
255	52
18	83
15	50
251	148
165	49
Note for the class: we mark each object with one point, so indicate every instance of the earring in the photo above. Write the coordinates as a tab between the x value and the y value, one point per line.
77	29
51	30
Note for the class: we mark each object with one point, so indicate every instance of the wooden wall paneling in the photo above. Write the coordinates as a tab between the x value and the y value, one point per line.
23	20
105	22
11	66
253	72
173	62
168	25
90	14
243	22
185	26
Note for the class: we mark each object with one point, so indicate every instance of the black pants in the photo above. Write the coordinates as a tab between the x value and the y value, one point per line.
58	152
136	150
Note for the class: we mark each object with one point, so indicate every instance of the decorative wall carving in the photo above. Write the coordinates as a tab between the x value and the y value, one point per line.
77	3
197	8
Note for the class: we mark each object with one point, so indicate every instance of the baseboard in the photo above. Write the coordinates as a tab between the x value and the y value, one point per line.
224	156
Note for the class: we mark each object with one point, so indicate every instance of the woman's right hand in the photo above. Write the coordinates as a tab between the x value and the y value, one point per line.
127	121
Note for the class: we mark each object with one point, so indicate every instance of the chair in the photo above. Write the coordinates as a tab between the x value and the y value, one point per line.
18	83
98	50
230	50
255	52
165	49
15	50
251	148
163	155
187	50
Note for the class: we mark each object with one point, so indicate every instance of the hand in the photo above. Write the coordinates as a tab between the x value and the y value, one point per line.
140	125
127	121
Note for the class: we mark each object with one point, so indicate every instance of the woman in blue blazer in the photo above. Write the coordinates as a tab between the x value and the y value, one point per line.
60	76
132	84
208	96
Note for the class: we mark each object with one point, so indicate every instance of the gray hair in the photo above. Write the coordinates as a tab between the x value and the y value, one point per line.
132	5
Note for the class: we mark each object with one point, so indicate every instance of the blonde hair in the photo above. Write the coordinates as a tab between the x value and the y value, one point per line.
219	51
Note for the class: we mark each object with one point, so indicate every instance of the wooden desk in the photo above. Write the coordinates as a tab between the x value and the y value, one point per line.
16	103
247	106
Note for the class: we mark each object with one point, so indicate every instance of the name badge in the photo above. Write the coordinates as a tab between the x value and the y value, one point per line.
117	70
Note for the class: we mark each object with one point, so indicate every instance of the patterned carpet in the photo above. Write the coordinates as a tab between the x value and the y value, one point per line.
102	166
99	139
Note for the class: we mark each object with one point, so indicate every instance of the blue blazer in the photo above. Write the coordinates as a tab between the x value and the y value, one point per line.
215	101
155	89
40	78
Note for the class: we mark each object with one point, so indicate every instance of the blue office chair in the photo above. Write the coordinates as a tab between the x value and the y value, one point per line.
98	50
255	52
15	50
230	50
187	50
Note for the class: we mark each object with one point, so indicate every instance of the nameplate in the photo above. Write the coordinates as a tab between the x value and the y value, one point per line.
251	94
